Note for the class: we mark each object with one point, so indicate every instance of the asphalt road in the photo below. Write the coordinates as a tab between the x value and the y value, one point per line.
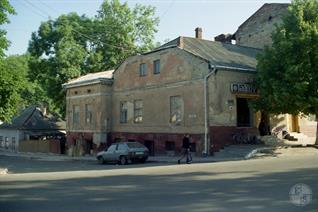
252	185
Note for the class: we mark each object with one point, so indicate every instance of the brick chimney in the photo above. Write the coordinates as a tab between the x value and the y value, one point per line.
224	38
180	42
198	33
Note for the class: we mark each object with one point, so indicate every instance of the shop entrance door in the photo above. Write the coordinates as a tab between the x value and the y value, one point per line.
244	113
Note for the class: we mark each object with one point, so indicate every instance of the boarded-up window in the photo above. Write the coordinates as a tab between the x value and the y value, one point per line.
123	112
76	113
88	114
176	109
156	66
138	105
143	69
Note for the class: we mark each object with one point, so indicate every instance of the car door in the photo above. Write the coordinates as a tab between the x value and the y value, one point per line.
120	150
109	154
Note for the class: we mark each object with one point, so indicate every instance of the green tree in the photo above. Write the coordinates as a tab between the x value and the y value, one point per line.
59	53
122	31
5	9
8	91
31	92
287	71
13	72
74	45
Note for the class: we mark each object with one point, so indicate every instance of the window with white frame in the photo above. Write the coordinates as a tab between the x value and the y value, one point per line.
138	105
156	67
143	69
176	109
123	112
88	114
76	114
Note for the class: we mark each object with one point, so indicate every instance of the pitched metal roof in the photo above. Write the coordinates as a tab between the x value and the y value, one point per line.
90	78
217	53
33	119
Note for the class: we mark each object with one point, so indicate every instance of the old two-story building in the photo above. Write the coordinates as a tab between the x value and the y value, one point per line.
186	86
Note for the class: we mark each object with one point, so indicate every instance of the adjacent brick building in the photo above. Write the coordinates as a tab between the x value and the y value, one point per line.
88	112
256	30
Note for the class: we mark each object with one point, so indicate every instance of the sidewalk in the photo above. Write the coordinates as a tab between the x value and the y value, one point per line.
44	156
231	153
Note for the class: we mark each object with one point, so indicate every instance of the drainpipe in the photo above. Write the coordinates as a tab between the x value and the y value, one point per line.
212	70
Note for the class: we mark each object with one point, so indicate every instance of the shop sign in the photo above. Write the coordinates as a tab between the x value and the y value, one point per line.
243	88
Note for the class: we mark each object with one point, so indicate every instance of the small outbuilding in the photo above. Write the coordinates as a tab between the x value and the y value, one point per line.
33	130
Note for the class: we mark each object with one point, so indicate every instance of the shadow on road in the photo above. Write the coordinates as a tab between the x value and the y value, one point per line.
24	165
195	191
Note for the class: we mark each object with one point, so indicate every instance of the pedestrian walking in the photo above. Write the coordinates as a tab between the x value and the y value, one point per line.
186	145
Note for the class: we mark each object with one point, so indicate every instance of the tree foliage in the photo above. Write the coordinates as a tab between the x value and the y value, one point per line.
5	9
288	70
74	45
9	83
13	71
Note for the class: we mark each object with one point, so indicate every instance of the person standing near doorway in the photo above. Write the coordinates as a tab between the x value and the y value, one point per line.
186	149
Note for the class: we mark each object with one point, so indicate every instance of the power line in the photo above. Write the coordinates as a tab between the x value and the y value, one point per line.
80	33
34	10
51	8
167	10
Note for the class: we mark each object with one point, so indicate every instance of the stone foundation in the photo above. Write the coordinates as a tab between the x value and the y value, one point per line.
222	136
161	143
80	143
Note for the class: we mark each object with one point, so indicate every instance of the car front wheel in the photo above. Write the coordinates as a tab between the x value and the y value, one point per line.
123	160
101	160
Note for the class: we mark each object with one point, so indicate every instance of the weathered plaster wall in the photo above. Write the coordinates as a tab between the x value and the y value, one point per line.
99	97
16	134
180	74
220	95
308	125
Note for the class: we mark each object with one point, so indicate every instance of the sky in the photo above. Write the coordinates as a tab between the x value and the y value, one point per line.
177	17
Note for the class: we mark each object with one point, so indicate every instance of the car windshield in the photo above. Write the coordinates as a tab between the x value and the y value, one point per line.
112	148
135	145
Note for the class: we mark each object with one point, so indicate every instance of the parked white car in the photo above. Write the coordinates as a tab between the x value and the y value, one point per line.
124	152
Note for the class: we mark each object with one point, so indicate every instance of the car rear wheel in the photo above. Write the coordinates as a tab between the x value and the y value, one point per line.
143	160
101	160
123	160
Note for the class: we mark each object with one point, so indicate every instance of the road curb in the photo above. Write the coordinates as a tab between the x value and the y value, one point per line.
256	151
